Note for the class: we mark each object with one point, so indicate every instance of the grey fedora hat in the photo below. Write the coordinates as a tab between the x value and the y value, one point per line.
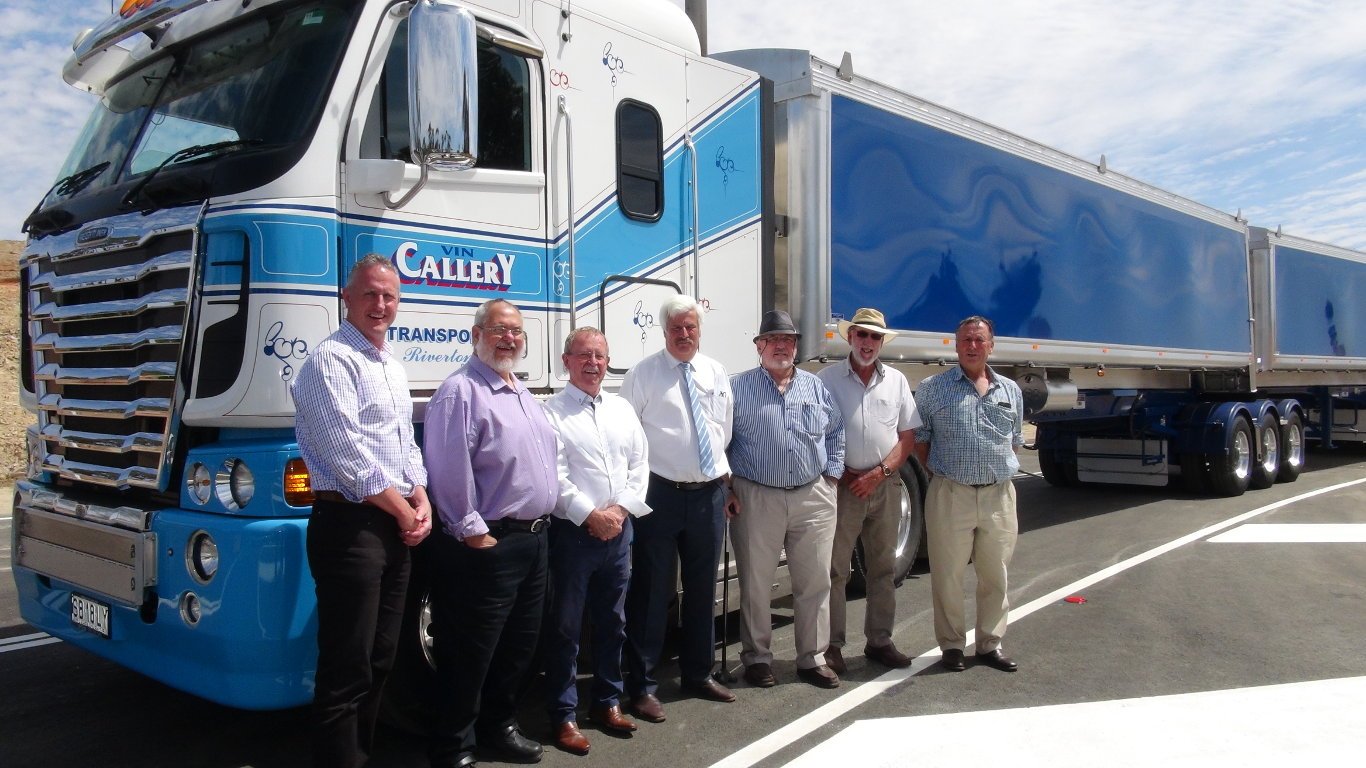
776	321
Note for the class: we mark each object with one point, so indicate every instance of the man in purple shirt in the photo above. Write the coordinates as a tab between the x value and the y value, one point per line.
491	462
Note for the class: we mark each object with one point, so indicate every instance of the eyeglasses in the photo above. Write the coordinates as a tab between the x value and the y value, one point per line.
862	334
503	330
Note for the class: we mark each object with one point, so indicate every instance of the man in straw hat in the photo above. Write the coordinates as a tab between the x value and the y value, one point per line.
786	456
879	430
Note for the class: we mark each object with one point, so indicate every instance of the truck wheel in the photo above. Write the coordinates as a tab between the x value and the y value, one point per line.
910	533
1268	460
1292	448
1056	473
1230	473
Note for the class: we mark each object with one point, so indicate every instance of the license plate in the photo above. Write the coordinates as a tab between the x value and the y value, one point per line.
90	614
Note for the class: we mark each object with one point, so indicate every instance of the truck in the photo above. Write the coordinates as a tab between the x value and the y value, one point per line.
584	161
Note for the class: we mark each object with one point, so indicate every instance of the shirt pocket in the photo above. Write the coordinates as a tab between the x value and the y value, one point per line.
713	402
885	412
813	419
999	417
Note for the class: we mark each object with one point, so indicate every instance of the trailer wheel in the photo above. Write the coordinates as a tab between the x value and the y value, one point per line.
1292	448
1268	461
1059	474
1231	472
910	534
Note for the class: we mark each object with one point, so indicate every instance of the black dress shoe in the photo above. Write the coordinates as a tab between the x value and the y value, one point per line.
953	660
886	655
709	689
821	677
760	676
465	761
512	746
998	660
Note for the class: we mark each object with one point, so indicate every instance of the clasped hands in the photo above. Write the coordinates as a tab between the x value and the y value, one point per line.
605	524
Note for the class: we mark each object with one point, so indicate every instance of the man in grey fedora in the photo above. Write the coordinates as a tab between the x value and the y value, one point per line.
786	457
879	432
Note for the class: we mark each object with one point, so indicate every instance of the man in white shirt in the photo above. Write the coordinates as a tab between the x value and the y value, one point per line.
604	473
684	402
880	420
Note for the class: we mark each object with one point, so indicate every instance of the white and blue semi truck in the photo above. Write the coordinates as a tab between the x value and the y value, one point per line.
583	160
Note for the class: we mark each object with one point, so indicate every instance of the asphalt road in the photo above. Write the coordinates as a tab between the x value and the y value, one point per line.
1171	610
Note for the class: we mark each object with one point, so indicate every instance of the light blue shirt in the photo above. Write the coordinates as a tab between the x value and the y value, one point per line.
354	418
786	439
972	438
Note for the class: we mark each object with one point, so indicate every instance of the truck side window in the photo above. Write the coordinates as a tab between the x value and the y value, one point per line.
640	161
504	108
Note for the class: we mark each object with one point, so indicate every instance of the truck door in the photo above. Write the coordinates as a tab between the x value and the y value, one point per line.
465	236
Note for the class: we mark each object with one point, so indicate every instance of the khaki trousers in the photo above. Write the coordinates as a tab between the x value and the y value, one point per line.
876	519
962	522
802	521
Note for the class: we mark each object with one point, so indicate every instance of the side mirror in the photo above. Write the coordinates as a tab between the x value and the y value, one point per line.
443	86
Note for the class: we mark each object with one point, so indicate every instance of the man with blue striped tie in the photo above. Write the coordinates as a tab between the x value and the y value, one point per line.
787	455
684	403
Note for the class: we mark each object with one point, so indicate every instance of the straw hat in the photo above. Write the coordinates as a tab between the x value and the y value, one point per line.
870	320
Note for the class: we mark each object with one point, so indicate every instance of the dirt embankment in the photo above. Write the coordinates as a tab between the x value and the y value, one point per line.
13	418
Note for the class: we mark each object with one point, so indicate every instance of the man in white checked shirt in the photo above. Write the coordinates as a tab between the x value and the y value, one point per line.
354	424
683	400
787	455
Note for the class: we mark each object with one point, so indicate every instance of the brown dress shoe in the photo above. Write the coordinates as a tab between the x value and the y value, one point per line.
760	676
821	677
834	659
886	655
612	719
953	660
569	738
648	708
709	689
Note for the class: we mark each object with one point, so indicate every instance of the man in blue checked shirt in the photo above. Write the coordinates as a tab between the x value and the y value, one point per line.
354	424
973	423
786	458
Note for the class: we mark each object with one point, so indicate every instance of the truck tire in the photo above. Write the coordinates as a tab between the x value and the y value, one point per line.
1292	448
910	534
1230	473
1267	463
1056	473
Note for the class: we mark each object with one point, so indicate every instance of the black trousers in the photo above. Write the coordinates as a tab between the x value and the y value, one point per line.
682	535
486	618
360	569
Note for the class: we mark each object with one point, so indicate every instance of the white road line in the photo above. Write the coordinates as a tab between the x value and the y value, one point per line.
23	642
1295	533
1310	723
809	722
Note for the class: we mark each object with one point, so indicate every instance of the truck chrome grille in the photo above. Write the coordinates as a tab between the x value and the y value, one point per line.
108	322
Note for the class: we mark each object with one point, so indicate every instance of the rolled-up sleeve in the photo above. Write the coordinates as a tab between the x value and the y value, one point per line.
446	444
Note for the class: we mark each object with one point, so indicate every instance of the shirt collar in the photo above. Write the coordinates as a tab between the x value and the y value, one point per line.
963	376
581	397
877	370
353	337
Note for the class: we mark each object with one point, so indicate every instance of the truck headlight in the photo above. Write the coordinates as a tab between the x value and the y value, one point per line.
198	483
235	484
201	557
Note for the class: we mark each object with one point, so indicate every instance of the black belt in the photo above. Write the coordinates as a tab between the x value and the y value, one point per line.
513	525
683	486
337	498
785	487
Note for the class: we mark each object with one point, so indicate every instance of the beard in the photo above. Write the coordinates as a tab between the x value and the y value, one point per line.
488	353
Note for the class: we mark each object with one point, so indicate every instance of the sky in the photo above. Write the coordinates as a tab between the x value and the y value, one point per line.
1256	106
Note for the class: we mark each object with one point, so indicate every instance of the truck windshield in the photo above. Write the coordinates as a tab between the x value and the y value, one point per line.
256	84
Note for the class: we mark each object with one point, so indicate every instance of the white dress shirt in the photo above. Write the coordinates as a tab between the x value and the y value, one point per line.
604	459
873	415
655	388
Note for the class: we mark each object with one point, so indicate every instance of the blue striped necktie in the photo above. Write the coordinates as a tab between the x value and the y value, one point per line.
706	461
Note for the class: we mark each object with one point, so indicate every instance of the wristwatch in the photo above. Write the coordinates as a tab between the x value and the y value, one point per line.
886	470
